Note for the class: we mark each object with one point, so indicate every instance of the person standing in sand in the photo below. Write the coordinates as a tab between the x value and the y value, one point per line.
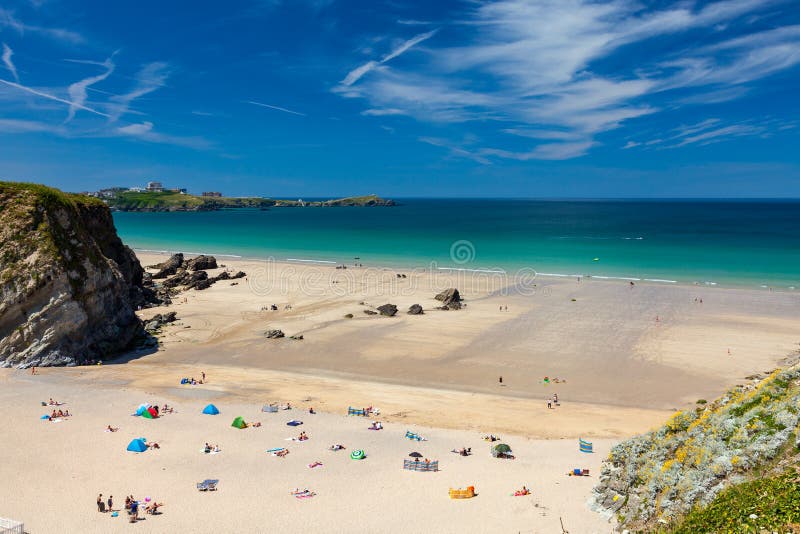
100	502
110	503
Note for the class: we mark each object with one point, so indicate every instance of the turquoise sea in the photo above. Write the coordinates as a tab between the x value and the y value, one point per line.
742	243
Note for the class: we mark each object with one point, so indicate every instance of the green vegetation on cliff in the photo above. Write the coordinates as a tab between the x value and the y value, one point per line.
709	469
170	201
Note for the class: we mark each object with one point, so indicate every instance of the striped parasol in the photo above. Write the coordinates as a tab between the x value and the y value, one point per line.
357	454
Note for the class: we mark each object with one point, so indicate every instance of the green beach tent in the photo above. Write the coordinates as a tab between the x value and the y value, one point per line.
239	422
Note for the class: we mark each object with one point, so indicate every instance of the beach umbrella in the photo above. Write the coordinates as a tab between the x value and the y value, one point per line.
211	410
502	447
357	454
137	445
415	455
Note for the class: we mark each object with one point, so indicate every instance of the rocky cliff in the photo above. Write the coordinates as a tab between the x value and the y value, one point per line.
68	285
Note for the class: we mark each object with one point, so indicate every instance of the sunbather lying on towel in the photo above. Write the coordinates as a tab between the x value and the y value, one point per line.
109	428
521	492
314	464
282	454
153	507
336	447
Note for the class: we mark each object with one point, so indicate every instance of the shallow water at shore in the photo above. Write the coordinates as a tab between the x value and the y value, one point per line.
740	243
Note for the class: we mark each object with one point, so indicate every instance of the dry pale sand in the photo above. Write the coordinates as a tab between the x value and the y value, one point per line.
437	373
52	472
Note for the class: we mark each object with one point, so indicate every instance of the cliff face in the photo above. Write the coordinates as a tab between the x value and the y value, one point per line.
68	285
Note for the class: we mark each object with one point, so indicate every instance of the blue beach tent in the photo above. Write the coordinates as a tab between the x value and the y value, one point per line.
211	410
137	445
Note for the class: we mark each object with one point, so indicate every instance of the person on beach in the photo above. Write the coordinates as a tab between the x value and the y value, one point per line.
203	373
549	404
109	428
33	369
110	503
100	503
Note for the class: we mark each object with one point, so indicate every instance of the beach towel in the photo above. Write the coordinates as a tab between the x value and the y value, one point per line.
276	449
294	422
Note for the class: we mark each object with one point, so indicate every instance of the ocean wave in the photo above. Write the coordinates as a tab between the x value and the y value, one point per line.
312	261
471	270
188	253
661	280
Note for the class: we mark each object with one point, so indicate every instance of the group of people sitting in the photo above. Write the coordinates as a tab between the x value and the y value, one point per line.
376	425
209	449
302	437
132	507
59	413
463	451
491	437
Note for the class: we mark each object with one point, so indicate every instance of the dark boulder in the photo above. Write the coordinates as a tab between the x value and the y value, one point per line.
449	295
168	267
274	334
389	310
201	263
415	309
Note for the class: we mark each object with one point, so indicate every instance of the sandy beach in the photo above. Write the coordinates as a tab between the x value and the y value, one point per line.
625	357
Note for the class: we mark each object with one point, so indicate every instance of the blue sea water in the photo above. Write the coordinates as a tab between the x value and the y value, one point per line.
742	243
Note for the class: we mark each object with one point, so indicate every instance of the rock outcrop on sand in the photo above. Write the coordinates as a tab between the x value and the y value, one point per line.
158	320
389	310
178	272
274	334
168	267
201	263
450	299
415	309
69	285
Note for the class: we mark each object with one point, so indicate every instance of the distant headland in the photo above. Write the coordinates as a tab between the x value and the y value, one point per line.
156	197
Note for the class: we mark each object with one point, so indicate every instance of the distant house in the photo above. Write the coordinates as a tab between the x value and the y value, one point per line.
154	187
181	190
211	194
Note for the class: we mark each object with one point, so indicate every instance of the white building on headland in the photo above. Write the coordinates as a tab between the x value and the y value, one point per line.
155	187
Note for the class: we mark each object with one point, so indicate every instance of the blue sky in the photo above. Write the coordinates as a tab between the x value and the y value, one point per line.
539	98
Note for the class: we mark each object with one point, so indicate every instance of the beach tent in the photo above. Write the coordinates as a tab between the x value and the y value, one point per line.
150	413
239	422
501	450
137	445
357	454
269	408
45	416
211	410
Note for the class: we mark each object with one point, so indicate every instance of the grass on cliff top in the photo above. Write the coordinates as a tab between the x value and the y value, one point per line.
775	500
48	196
127	200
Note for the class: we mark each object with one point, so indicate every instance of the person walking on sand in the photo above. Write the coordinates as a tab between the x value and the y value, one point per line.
33	369
203	373
100	503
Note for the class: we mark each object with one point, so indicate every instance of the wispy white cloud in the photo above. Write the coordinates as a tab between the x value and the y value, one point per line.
21	126
382	112
7	53
455	150
9	20
145	132
150	77
276	108
51	97
537	64
77	91
354	75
